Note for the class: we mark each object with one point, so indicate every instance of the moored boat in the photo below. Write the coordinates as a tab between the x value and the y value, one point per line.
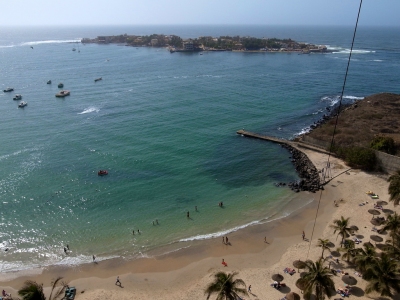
60	85
102	172
7	90
98	79
22	104
17	97
48	81
63	93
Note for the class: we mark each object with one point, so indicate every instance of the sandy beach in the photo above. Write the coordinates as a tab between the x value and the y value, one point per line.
184	274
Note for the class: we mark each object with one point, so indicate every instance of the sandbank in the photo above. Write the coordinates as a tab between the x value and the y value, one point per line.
185	273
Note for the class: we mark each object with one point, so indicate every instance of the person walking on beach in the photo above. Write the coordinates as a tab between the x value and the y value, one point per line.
249	289
118	282
65	250
226	240
94	258
303	235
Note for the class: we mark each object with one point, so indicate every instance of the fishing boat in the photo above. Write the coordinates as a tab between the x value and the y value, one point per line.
7	90
62	94
22	104
98	79
60	85
17	97
48	81
102	172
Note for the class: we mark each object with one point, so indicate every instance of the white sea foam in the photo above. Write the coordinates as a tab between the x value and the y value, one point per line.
89	110
50	42
8	46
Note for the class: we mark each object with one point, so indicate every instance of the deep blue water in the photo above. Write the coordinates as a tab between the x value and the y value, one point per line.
164	126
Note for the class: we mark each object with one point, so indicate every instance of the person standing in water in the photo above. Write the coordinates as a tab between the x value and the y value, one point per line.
188	215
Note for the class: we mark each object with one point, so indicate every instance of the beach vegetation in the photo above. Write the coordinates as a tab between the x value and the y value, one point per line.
394	188
364	257
342	227
324	244
357	157
383	276
34	291
226	287
317	280
349	250
384	143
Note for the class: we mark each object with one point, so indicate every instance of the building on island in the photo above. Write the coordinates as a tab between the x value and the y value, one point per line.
154	42
188	45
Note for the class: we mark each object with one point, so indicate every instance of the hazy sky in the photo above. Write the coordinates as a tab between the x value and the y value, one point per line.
251	12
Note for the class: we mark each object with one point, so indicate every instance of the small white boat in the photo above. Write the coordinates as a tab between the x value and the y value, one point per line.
49	82
60	85
17	97
62	94
7	90
22	104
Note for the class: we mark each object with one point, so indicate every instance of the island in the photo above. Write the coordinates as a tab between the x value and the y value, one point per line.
175	43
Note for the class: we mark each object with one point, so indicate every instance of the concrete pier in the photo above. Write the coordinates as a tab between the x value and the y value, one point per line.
265	137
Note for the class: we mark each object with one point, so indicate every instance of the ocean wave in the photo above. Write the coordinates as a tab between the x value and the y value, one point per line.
347	51
9	46
335	99
5	156
50	42
89	110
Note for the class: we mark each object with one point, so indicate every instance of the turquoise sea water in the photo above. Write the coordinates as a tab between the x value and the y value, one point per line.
164	126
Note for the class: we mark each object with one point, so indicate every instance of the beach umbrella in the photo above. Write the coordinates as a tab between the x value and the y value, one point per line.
301	284
292	296
369	244
388	211
376	222
381	202
376	238
299	264
381	246
374	212
348	279
277	277
354	227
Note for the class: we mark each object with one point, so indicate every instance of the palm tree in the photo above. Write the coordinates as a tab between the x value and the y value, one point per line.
34	291
317	279
343	228
383	276
393	246
349	249
324	245
225	287
364	257
394	188
392	224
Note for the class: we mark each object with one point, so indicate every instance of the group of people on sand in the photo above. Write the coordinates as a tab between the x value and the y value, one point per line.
225	240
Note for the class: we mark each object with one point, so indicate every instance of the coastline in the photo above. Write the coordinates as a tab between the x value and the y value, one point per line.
185	273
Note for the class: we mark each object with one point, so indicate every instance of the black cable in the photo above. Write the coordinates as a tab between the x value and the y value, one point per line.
334	129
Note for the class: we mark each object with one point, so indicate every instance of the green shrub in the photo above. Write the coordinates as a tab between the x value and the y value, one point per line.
357	157
384	144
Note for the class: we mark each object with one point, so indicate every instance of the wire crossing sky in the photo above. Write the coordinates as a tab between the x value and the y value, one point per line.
204	12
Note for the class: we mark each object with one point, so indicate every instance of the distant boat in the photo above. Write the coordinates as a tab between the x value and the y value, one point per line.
63	93
73	49
102	172
60	85
17	97
98	79
48	81
7	90
22	104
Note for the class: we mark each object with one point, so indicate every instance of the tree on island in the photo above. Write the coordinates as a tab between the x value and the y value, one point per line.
226	287
394	188
317	279
34	291
342	227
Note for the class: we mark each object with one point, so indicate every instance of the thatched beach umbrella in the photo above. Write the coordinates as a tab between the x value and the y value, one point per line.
388	211
301	284
381	202
376	222
382	247
277	277
299	264
369	244
348	279
374	212
354	228
376	238
292	296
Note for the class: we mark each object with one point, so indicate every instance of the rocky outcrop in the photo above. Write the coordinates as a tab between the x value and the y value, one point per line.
308	173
